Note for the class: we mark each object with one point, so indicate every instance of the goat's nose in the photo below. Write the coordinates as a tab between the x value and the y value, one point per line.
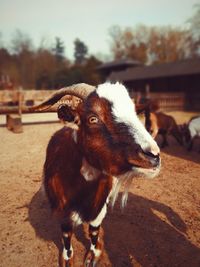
154	159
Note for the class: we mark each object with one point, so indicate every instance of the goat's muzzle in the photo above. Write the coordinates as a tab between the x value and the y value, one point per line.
153	159
145	160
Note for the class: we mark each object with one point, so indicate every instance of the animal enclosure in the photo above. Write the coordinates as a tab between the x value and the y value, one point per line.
159	226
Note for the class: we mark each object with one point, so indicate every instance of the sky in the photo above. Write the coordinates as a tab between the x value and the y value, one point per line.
88	20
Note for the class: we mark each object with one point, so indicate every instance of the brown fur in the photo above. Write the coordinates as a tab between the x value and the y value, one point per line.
101	143
161	123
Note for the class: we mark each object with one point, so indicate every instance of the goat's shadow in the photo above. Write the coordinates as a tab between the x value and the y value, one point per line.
146	233
46	225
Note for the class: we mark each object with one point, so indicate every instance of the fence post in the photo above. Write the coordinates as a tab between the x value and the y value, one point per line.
14	121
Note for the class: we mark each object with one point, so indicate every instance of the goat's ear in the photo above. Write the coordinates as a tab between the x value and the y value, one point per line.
66	114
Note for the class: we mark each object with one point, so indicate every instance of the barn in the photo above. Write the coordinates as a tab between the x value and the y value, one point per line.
176	84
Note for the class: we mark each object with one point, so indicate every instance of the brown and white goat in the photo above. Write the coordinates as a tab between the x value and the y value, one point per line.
85	167
163	124
191	131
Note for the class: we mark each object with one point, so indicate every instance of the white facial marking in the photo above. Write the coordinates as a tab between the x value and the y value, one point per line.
124	111
89	172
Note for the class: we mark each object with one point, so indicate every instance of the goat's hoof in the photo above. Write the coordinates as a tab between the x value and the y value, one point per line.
91	260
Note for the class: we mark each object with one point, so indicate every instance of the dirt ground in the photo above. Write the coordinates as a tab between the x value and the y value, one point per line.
159	227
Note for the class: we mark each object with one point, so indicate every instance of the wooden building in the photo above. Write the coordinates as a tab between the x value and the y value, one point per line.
181	79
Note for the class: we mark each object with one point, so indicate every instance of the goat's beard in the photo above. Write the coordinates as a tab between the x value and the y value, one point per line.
146	173
124	181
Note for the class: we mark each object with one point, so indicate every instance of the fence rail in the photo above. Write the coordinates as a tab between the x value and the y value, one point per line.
175	101
35	95
14	103
170	101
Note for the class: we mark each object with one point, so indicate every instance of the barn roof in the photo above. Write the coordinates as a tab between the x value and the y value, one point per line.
179	68
118	63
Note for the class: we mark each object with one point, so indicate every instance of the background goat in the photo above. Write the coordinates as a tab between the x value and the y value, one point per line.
191	131
84	168
161	123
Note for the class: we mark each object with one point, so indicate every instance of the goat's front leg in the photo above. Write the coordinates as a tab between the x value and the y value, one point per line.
190	146
67	254
96	244
164	142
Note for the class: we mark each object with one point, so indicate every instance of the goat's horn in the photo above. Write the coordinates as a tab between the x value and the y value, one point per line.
80	90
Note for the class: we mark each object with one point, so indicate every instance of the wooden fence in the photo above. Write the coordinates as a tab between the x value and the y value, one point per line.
166	101
170	101
7	96
11	100
15	102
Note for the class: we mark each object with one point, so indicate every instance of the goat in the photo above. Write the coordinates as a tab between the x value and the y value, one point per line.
85	167
161	123
190	131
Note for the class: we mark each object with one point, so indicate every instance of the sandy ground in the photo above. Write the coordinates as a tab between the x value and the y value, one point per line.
159	227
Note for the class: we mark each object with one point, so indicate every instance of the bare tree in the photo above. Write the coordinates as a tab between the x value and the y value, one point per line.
21	42
164	44
147	44
22	47
193	36
117	43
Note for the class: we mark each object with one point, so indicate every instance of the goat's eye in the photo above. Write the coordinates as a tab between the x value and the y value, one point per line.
93	120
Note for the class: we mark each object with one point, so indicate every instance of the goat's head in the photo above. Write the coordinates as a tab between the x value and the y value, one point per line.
110	135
